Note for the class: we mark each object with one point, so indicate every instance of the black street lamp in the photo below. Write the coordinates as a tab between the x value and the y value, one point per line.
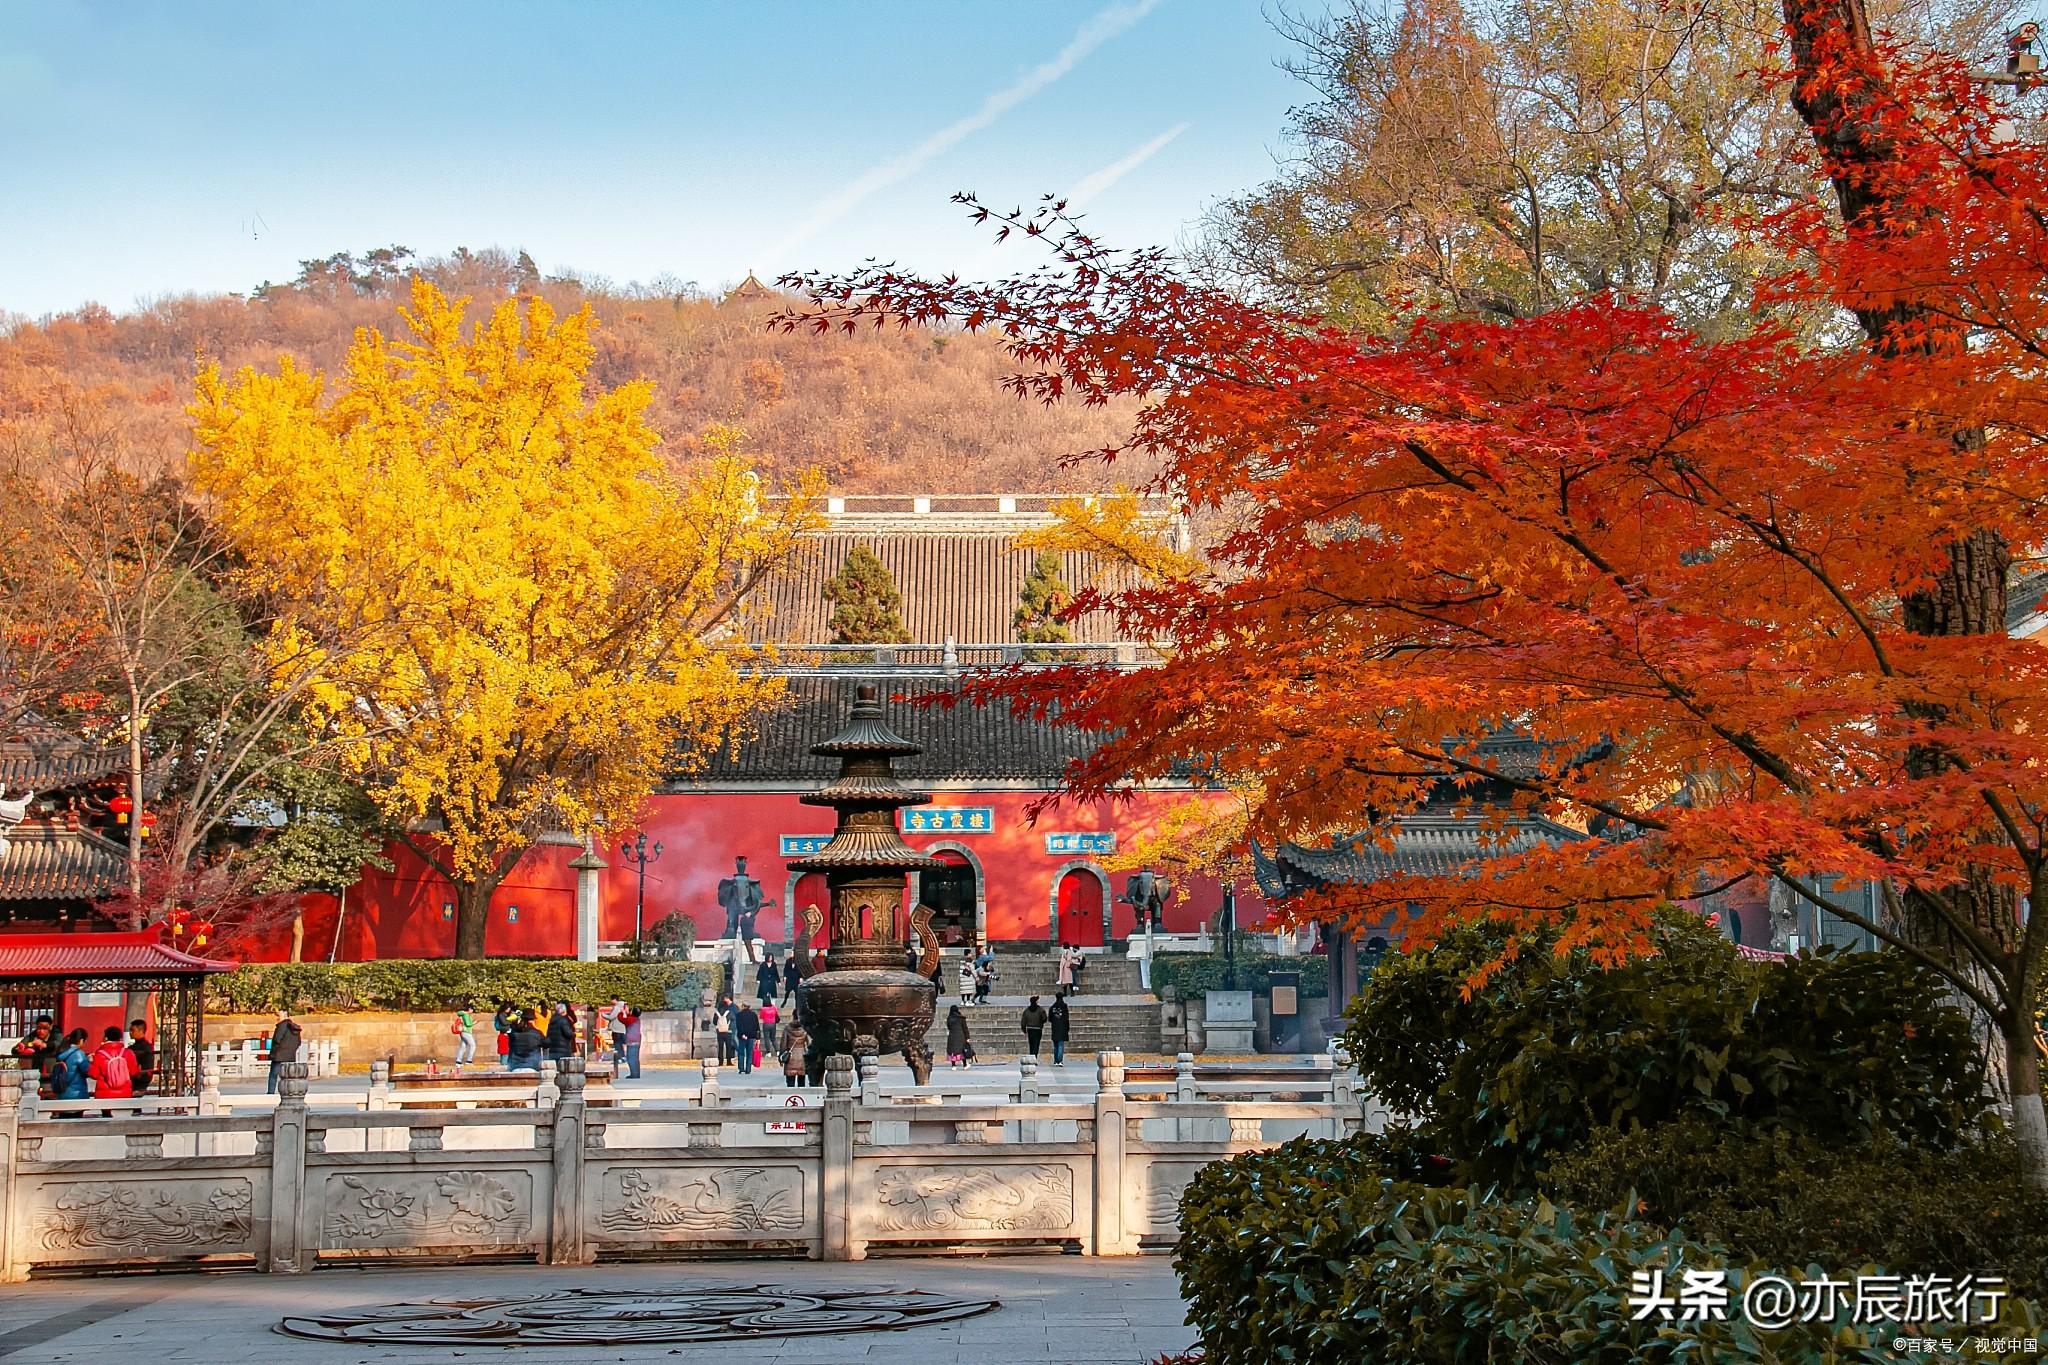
635	851
1229	937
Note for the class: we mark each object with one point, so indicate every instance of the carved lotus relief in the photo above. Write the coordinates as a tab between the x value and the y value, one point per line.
146	1217
653	1204
426	1210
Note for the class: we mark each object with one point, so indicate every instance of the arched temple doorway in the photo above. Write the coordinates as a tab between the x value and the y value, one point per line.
1080	905
956	893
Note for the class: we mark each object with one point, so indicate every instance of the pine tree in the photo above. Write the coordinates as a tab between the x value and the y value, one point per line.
528	274
1044	596
866	607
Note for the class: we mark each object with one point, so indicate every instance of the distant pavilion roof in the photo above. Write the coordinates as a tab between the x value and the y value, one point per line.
48	861
66	956
1437	843
40	757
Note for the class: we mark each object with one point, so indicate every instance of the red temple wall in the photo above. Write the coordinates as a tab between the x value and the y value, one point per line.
401	913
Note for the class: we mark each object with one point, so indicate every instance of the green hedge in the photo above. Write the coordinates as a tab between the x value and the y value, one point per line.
1309	1254
1192	974
1840	1047
1791	1200
434	983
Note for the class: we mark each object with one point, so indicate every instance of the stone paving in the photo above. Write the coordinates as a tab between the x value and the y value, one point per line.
1053	1308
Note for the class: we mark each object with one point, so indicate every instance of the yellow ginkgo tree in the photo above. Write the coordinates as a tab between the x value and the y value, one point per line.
547	612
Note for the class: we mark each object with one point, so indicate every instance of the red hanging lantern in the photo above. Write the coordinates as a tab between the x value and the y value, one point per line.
120	806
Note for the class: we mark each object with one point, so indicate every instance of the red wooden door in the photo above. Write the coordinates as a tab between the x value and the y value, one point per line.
1080	902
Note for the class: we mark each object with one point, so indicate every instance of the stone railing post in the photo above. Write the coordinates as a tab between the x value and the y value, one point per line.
1028	1130
377	1101
565	1227
1109	1156
287	1169
1184	1093
835	1174
707	1094
547	1092
870	1080
15	1110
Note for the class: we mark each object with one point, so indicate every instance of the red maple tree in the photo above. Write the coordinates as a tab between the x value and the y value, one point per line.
1747	593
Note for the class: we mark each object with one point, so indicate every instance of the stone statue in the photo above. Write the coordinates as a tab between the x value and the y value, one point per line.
740	897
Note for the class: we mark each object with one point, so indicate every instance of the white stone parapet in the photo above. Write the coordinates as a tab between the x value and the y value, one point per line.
569	1170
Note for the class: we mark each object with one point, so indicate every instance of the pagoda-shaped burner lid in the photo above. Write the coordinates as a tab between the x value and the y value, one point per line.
866	733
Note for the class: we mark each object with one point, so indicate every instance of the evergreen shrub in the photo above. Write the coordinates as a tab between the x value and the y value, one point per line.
432	983
1310	1254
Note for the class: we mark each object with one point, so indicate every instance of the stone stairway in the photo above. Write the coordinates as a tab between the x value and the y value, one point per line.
1113	1010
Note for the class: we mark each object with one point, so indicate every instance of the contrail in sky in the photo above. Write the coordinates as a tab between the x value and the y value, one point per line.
1104	26
1089	187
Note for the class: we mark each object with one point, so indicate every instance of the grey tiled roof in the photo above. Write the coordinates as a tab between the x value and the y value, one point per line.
39	757
963	743
1426	844
958	583
51	862
2023	598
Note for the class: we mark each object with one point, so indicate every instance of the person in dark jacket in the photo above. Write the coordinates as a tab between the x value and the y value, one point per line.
145	1055
1033	1022
767	979
792	977
523	1042
956	1038
1057	1018
746	1033
562	1034
284	1045
39	1046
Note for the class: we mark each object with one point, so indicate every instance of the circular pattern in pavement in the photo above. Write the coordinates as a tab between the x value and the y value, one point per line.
607	1317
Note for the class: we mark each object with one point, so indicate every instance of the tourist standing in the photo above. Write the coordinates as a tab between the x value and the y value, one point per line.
561	1044
284	1045
145	1055
68	1068
615	1022
112	1069
721	1023
464	1029
967	980
1065	976
523	1042
796	1047
39	1046
792	977
956	1037
767	978
746	1036
630	1048
503	1020
1033	1024
1057	1018
984	977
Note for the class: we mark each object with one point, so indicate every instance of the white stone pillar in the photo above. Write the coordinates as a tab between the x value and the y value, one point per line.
565	1225
837	1239
16	1110
1109	1157
587	864
287	1170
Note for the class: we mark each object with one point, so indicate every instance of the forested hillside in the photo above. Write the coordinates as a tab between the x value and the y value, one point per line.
881	411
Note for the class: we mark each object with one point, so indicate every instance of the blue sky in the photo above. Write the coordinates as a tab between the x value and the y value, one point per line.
148	149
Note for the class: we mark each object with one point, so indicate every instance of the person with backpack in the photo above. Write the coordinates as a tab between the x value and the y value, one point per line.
722	1018
284	1045
67	1071
145	1055
464	1029
112	1070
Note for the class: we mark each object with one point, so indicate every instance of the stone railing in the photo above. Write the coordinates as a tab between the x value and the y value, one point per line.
568	1179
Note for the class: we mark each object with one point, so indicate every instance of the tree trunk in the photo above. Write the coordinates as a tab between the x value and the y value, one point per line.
472	916
299	937
2023	1074
134	805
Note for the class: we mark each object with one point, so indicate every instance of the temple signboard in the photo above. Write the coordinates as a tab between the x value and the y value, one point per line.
1097	842
949	820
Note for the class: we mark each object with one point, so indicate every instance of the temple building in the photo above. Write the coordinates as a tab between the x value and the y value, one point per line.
64	812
